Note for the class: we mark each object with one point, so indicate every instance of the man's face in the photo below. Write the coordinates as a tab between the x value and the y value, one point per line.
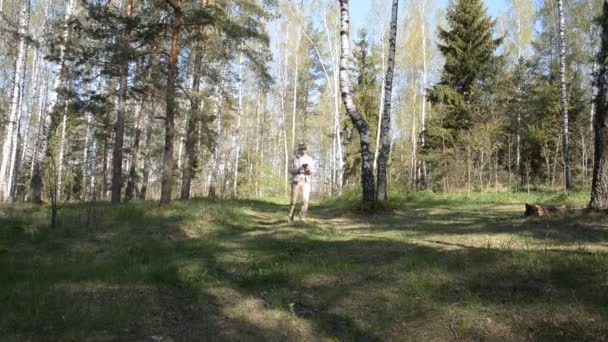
301	151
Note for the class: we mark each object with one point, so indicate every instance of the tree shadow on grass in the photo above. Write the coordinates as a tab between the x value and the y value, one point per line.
142	283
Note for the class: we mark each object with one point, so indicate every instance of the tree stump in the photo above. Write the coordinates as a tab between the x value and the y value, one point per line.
544	210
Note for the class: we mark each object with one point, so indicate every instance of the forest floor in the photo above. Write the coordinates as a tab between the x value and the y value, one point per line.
434	267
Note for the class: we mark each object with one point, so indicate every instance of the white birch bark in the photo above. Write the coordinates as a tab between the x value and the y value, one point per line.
295	95
16	148
64	123
10	130
564	96
37	172
346	90
385	123
381	103
337	129
423	32
283	90
237	142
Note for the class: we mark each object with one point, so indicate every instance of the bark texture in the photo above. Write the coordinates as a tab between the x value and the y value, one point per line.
119	127
167	179
10	140
49	122
564	97
346	90
382	191
191	136
599	187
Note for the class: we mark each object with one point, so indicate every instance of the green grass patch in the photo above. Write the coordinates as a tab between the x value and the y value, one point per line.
422	266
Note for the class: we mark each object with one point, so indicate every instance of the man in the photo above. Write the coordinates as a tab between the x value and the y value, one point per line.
301	169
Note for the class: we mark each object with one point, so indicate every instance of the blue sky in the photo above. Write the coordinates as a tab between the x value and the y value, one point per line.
361	8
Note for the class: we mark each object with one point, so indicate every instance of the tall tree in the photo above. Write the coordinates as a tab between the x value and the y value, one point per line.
382	191
50	121
119	127
564	97
346	89
599	189
10	141
167	176
521	21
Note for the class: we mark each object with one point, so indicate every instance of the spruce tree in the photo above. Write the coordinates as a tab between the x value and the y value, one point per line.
468	47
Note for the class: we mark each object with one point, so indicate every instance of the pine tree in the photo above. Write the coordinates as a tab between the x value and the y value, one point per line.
468	47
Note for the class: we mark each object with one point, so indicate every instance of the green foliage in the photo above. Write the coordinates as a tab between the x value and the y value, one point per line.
468	45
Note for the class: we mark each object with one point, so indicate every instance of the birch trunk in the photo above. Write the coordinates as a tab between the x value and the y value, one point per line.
29	121
337	127
424	84
382	190
49	123
238	126
564	97
85	156
9	141
283	90
64	124
213	176
167	178
367	168
599	187
381	103
295	96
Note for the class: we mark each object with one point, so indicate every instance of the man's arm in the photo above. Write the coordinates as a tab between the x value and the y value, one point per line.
294	166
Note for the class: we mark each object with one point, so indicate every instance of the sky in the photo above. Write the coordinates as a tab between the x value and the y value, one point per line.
361	8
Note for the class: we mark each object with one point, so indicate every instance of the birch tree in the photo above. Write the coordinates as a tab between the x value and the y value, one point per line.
10	140
346	90
564	97
599	189
382	191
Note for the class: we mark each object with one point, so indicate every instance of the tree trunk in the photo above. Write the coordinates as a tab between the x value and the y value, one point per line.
191	136
599	187
367	168
295	96
18	150
119	127
382	97
165	197
36	180
64	124
337	121
382	192
213	176
424	80
10	130
237	133
564	97
145	173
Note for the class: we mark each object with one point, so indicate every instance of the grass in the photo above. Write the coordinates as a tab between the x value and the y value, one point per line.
429	267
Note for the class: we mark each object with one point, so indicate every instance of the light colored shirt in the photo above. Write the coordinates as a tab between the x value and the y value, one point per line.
296	165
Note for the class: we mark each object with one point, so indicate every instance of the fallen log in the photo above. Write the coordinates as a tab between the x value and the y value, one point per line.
544	210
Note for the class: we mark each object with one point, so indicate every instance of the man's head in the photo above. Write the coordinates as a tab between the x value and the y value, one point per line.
302	148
